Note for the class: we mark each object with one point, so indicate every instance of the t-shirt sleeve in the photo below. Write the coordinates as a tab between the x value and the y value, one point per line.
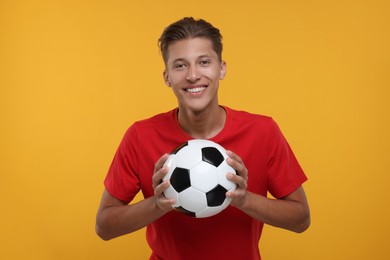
285	174
122	180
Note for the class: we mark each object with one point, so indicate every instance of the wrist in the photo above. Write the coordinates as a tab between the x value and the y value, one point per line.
245	201
161	205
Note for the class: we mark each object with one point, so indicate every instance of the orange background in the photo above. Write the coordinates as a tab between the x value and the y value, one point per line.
75	74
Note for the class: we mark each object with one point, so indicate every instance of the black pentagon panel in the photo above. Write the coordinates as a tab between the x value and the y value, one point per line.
187	212
212	156
180	179
216	196
179	148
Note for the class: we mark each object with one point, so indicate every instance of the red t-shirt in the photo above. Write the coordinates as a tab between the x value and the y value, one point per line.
230	234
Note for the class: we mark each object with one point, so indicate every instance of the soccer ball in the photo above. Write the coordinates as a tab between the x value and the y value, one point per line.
197	173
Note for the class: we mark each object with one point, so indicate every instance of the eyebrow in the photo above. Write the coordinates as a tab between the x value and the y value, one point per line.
178	60
200	57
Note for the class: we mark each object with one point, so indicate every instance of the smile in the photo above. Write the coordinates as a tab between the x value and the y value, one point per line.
195	90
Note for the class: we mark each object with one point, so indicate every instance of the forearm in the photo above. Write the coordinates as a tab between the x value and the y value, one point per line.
119	220
284	213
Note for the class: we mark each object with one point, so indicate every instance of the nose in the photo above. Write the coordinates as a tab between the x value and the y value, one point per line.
192	74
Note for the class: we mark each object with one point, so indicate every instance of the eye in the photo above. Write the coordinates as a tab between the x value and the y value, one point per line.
205	62
178	66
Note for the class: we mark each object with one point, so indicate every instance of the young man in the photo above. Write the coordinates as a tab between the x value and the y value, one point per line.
192	52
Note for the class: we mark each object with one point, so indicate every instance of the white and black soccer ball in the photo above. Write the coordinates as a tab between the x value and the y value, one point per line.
197	172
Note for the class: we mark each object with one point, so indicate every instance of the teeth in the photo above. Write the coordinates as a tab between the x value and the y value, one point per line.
194	90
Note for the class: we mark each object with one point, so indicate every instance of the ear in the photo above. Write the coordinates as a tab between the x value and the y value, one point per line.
166	78
222	70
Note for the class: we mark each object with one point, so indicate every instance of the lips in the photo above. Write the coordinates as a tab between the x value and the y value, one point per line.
195	89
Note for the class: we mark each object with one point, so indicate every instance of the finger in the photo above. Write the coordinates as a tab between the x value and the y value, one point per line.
230	194
237	179
234	156
159	164
158	176
238	166
166	204
159	189
233	194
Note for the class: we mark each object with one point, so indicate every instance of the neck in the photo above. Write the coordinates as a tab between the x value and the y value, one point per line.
204	124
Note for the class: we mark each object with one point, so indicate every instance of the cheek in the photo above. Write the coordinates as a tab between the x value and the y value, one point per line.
175	85
175	78
214	74
173	81
175	91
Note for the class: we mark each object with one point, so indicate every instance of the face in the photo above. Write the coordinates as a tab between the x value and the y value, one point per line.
193	71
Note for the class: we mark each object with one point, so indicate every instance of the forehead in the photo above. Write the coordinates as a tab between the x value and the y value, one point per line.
189	49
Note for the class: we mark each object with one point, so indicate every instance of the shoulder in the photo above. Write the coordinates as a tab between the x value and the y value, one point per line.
256	126
158	120
151	125
241	117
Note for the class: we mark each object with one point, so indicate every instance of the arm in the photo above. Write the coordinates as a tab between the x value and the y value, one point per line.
291	212
115	217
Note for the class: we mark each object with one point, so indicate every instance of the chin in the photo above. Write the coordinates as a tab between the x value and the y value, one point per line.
199	107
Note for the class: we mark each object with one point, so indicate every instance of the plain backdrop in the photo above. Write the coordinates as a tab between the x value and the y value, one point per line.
74	75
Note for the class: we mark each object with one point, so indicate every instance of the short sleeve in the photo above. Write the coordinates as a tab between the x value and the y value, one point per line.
285	174
122	180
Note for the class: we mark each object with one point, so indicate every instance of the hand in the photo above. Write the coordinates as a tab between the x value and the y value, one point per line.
241	179
159	186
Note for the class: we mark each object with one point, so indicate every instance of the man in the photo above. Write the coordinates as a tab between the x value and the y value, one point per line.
192	52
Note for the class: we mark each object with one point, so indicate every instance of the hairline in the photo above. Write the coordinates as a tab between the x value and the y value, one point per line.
190	37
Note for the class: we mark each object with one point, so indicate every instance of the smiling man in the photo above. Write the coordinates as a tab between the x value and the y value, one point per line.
258	151
193	71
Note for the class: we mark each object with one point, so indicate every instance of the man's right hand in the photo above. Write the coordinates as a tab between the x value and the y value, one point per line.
159	186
